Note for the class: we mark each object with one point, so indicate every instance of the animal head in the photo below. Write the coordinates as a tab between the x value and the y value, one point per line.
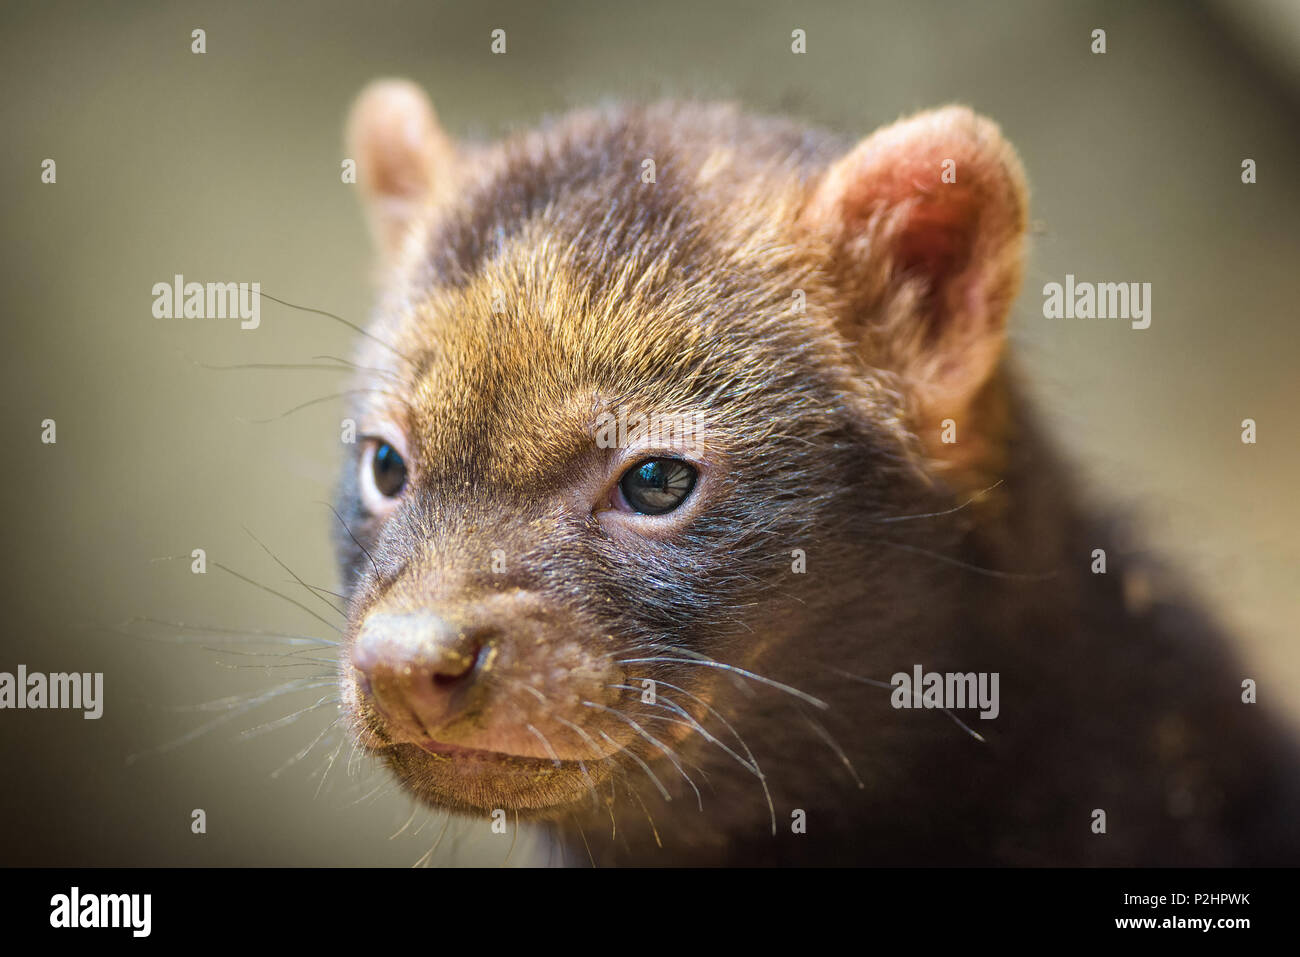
625	370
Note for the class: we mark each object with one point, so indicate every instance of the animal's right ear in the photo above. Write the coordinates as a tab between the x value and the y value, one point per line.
925	221
402	157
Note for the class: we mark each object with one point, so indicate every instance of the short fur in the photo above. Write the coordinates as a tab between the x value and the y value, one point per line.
546	283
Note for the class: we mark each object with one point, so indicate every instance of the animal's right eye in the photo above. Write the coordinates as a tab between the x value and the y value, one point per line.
384	475
389	470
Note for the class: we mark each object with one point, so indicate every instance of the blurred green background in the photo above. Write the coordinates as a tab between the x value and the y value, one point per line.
225	166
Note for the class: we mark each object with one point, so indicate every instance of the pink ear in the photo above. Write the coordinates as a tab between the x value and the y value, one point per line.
926	219
401	153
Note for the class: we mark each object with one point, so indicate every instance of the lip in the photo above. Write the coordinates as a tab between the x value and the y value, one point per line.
474	780
451	750
458	752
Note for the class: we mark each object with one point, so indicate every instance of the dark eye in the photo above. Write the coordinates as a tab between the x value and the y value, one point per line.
656	486
389	470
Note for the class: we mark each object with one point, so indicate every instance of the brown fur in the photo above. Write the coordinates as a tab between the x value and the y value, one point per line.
821	434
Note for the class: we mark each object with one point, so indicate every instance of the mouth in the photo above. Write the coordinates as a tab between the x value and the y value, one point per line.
474	780
381	737
461	753
493	761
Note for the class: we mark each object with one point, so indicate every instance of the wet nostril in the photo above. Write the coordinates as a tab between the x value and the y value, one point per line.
457	668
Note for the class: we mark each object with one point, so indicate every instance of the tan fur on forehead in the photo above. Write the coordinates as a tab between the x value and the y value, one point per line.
693	300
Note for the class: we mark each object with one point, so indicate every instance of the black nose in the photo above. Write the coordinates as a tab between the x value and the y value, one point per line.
418	667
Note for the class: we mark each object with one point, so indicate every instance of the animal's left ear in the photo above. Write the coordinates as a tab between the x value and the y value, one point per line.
925	221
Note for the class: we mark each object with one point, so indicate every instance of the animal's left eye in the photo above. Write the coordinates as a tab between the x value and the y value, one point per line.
656	486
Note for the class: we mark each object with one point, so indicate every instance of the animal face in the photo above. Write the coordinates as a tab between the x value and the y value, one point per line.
604	414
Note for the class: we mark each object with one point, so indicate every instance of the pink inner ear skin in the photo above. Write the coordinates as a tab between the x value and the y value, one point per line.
936	238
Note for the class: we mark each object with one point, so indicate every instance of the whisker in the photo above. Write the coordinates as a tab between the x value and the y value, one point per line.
694	725
834	745
423	824
363	548
322	593
583	834
369	794
710	663
329	764
415	809
290	718
244	653
668	752
371	370
555	758
427	856
328	591
644	767
307	750
591	743
263	667
230	701
978	496
691	723
967	566
263	366
351	325
299	657
653	830
219	720
318	401
208	629
758	772
293	573
885	684
609	808
272	591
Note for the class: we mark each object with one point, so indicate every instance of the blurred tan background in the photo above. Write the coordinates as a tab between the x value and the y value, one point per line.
225	166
